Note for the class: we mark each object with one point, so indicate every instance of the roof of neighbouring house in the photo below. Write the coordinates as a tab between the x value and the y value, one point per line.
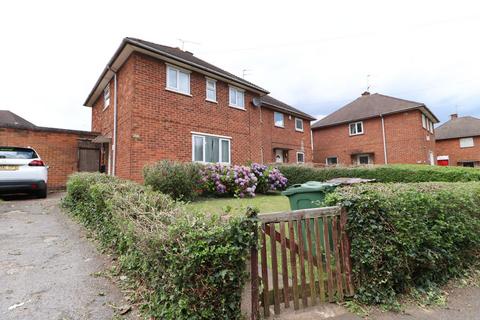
458	128
11	120
281	106
165	52
371	106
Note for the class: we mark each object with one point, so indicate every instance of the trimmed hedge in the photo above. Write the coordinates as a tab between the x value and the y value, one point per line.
390	173
406	236
187	265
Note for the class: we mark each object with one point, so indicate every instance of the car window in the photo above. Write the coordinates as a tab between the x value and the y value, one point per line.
17	153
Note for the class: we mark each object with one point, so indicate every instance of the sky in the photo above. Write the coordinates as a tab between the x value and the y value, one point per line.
314	55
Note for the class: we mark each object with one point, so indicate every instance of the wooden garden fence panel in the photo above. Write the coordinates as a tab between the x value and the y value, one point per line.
304	260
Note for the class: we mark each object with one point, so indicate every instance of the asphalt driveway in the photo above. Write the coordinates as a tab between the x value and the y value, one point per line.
47	266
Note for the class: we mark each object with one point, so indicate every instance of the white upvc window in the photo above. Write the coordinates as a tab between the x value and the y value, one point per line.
364	159
236	97
331	161
210	149
356	128
106	96
466	142
178	80
278	119
424	121
298	124
211	90
300	157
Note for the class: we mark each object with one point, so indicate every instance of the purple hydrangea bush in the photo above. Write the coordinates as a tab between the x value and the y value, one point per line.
241	181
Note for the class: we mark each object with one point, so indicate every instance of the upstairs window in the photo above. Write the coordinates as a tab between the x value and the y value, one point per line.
278	119
300	157
356	128
206	148
237	98
331	161
106	96
211	90
466	143
298	124
178	80
424	121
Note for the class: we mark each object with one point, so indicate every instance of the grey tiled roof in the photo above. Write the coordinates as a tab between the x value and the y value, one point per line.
369	106
458	128
11	120
281	106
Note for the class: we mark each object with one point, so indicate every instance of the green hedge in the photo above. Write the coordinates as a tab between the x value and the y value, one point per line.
391	173
190	265
406	236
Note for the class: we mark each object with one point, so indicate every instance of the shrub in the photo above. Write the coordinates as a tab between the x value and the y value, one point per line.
219	179
179	180
268	178
409	235
188	265
390	173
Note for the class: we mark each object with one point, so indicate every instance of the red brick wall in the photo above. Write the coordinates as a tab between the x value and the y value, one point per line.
59	150
406	140
451	148
288	137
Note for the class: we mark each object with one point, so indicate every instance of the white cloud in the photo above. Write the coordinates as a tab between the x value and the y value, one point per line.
314	55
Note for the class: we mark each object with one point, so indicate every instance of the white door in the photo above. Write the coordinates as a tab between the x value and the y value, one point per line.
279	156
432	158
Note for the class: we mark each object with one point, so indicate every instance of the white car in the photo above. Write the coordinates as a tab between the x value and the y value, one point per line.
22	171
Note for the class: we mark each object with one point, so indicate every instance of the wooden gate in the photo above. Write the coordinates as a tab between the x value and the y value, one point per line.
88	156
304	260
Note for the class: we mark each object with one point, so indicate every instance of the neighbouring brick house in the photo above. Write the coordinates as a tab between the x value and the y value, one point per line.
64	151
154	102
376	129
458	142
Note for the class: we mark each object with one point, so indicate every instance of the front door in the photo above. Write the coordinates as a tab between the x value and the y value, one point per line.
278	155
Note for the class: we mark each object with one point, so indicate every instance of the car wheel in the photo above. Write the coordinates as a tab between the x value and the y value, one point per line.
42	193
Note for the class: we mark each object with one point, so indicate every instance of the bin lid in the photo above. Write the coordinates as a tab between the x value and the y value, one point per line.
310	186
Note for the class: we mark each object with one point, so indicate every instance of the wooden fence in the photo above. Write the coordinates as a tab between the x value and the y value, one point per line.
304	259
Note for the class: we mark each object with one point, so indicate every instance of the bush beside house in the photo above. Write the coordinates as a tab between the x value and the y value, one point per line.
390	173
406	236
190	265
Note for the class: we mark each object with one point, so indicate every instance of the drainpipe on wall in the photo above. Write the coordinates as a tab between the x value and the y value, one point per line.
311	141
384	140
114	145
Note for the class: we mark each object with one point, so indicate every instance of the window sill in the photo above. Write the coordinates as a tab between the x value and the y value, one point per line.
179	92
356	134
211	101
105	108
298	130
237	107
281	127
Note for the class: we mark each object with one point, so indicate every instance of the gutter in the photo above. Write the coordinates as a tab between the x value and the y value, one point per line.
384	140
114	140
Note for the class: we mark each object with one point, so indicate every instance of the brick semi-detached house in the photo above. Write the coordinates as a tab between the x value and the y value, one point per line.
458	142
376	129
154	102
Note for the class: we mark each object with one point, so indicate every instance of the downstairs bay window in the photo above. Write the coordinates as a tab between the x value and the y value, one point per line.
208	148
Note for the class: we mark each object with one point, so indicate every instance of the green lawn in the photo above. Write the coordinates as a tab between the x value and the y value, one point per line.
265	203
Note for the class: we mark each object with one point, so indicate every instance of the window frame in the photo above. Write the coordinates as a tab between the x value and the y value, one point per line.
236	90
106	101
220	140
355	124
300	153
296	128
275	113
177	88
466	139
207	80
363	155
424	121
330	164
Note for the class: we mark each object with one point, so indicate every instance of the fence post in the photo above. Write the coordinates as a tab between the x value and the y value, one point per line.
346	245
250	295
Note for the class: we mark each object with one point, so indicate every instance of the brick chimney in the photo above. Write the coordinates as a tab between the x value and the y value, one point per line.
366	93
454	116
